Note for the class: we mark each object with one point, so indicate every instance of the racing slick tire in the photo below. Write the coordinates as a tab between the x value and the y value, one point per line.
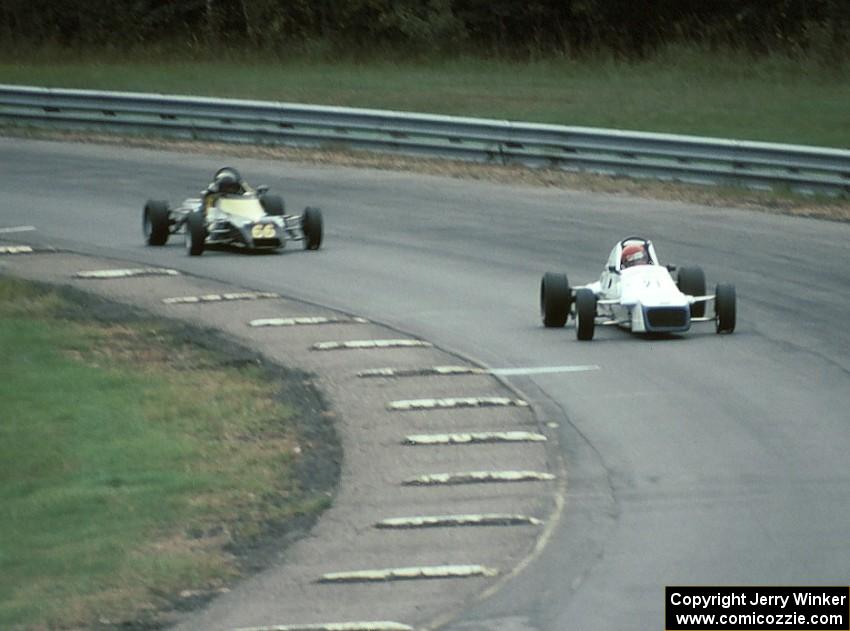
196	233
725	308
691	281
585	314
555	299
311	224
273	205
155	222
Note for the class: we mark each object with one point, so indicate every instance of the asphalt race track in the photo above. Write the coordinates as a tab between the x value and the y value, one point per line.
692	460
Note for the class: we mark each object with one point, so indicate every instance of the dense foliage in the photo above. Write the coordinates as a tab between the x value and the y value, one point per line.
627	27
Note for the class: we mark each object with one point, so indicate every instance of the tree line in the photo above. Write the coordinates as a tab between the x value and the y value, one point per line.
626	27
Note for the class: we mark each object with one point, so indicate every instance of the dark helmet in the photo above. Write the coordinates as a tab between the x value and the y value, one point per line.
228	181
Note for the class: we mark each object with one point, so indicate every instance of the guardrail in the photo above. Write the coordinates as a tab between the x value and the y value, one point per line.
633	154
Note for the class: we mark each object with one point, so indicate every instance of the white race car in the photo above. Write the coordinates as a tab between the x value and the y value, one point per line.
637	293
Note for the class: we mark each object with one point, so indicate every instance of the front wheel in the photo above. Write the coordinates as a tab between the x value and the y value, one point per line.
554	299
585	314
725	308
196	233
311	224
155	222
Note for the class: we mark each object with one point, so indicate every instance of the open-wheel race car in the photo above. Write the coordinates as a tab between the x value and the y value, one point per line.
229	212
637	293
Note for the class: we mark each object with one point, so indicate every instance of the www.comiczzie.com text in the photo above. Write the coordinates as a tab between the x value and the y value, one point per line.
757	608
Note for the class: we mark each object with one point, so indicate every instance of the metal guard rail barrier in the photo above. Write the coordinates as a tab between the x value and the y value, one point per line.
632	154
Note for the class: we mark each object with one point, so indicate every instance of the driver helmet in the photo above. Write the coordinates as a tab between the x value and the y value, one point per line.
227	181
634	255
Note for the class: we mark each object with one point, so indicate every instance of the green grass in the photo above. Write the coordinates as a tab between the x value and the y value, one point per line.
128	460
681	90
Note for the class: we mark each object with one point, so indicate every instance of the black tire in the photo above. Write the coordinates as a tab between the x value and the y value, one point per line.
585	314
196	233
273	205
725	310
312	225
555	299
691	281
155	222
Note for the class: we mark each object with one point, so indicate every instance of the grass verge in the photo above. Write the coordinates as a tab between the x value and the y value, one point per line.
680	90
144	464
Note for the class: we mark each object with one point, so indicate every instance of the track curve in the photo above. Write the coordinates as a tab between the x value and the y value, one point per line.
698	459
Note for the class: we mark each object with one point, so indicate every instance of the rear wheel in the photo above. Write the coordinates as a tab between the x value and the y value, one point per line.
196	233
155	222
691	281
585	314
273	205
725	308
311	224
554	299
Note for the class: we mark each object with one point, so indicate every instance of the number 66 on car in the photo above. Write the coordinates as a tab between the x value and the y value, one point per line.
637	293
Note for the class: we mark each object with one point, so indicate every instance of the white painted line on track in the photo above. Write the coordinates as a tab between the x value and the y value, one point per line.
16	249
369	344
304	320
127	273
475	477
422	372
470	370
540	370
17	229
409	573
454	402
453	521
244	295
466	438
378	625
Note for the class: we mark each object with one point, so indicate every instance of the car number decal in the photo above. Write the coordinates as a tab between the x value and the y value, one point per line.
263	231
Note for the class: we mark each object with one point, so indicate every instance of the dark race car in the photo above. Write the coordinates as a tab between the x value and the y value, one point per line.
229	212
